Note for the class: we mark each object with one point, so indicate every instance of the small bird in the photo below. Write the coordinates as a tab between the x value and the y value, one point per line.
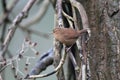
67	36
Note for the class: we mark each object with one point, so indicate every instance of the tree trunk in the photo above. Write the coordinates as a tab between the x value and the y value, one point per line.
104	44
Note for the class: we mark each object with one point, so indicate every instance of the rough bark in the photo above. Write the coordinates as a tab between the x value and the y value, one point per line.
104	44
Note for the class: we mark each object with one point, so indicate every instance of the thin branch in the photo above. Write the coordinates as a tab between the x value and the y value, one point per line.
1	77
27	44
10	8
45	60
55	70
83	14
4	67
45	35
12	64
67	16
75	18
13	27
4	6
76	67
3	32
39	15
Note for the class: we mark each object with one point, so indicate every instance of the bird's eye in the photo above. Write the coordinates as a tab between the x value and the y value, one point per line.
53	31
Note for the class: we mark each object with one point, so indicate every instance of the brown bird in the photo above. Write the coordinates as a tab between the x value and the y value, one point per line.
67	36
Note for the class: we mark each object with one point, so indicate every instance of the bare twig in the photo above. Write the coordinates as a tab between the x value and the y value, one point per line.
74	63
45	60
3	32
36	18
9	9
67	16
55	70
45	35
27	44
1	77
13	27
75	18
4	5
83	14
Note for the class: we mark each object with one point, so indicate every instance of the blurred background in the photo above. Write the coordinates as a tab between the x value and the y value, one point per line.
103	47
41	34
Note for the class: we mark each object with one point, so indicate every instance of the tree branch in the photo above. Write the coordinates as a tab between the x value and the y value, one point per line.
45	60
54	71
83	14
6	14
13	27
59	12
39	15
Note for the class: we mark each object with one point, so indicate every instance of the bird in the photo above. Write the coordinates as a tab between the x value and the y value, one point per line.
67	36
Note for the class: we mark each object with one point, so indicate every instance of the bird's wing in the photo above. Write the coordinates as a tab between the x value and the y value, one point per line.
70	36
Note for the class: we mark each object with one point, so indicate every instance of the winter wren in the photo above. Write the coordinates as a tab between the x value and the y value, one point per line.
67	36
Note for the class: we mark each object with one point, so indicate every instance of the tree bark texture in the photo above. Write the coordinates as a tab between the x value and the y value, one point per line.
104	44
